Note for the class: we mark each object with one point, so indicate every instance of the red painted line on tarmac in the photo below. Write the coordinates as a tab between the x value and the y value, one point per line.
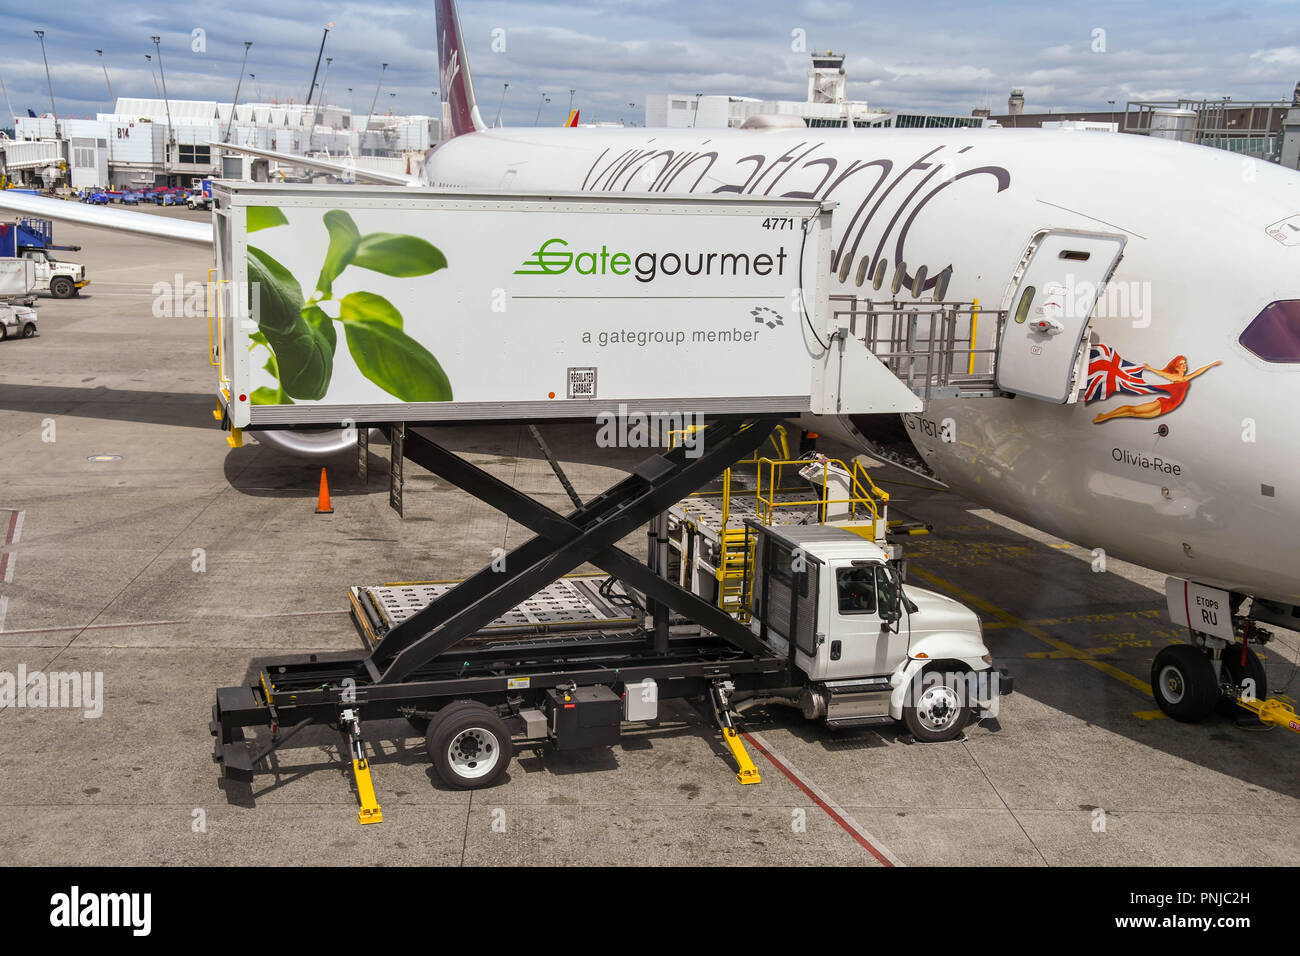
851	827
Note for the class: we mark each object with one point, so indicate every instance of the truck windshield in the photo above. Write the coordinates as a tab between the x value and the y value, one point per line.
857	590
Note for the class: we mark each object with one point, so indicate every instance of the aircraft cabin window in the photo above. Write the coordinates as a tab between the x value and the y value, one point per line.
1026	300
1274	334
857	590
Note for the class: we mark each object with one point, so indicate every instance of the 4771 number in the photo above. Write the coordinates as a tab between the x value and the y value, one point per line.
784	223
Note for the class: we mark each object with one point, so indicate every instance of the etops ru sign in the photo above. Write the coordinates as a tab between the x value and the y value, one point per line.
553	258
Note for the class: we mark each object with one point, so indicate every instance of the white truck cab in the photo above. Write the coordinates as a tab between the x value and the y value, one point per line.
17	321
60	279
868	648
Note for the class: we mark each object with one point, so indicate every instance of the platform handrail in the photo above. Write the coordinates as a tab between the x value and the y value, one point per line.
216	327
928	344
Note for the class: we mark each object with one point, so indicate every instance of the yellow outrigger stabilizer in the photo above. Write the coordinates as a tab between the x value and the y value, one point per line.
746	772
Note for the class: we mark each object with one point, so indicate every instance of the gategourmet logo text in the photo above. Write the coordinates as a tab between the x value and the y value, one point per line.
553	258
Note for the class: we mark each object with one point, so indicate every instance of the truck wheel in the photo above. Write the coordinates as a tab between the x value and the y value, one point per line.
29	330
61	287
1233	672
425	725
470	746
3	334
1183	682
940	712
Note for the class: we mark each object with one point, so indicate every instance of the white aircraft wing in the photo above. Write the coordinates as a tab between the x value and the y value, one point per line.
325	165
159	227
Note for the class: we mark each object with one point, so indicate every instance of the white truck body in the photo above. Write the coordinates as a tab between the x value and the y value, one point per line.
529	307
17	277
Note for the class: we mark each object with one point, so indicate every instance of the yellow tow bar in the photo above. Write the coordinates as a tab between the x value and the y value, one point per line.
1273	712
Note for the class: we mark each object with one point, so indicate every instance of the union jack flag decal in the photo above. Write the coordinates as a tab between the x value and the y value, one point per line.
1108	375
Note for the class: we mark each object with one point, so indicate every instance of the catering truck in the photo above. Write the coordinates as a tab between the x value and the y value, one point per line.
33	239
17	298
689	327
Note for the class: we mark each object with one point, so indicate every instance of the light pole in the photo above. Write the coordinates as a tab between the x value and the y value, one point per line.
698	96
53	112
504	87
1112	114
104	64
323	80
153	76
247	44
392	103
374	99
166	104
571	92
544	100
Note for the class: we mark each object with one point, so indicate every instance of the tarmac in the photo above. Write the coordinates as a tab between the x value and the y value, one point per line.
140	546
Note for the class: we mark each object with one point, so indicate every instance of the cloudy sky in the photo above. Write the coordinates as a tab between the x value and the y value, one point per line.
949	56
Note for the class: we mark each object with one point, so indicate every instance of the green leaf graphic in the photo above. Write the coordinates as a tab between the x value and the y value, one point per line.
395	255
396	362
322	323
269	396
264	217
368	307
304	354
344	237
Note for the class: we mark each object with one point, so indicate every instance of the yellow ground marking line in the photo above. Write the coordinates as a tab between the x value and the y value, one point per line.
1065	649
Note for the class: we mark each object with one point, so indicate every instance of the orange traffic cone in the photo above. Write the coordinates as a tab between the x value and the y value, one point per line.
323	499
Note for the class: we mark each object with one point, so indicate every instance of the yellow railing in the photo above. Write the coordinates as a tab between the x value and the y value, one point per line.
216	329
864	502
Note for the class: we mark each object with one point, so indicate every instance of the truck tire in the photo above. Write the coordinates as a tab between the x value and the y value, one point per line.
1234	673
470	746
940	711
29	330
1183	683
425	725
3	334
61	287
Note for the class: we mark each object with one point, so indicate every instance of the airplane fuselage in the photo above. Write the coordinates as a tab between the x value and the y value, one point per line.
1197	479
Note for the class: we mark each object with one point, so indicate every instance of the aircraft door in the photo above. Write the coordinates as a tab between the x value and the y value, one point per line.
1050	303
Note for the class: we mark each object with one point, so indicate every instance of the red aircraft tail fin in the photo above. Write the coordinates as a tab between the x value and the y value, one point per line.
459	110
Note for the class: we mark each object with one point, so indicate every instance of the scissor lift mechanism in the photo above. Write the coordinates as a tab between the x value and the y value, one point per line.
410	670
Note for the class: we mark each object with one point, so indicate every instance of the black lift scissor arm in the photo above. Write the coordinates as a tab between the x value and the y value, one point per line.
563	543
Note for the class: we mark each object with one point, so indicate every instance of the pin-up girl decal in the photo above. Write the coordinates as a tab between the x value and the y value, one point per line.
1170	392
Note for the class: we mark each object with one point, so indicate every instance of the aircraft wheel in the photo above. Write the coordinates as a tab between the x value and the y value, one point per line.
1184	684
1233	672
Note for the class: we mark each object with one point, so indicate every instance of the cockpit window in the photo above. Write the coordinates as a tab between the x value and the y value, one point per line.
1274	335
